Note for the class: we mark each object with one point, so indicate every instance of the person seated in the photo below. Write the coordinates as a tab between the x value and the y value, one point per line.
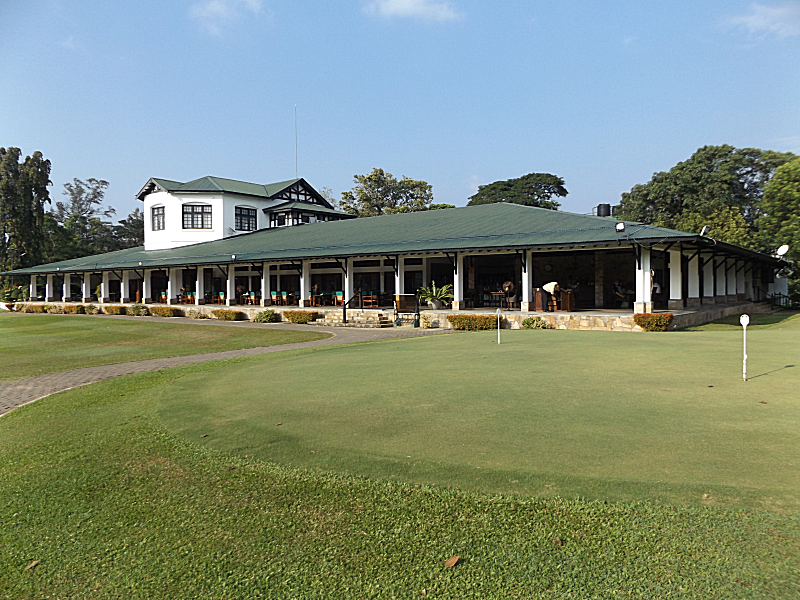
551	288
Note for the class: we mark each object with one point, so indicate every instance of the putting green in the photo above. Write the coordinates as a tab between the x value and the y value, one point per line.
663	417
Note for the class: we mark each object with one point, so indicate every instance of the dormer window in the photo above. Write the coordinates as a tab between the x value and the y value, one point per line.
157	216
197	216
245	219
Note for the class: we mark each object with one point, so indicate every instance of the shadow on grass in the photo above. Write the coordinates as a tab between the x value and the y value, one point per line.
770	372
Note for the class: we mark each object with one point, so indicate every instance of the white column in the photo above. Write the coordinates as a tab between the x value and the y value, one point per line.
644	284
721	287
675	279
708	280
49	296
527	282
174	284
125	287
146	286
694	281
400	276
87	285
32	287
66	287
305	284
104	287
458	282
229	285
199	286
265	286
349	280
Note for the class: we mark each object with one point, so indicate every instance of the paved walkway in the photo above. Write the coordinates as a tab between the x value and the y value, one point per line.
18	392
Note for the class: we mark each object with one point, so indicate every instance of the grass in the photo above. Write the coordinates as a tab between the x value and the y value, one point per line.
113	505
663	417
757	321
38	344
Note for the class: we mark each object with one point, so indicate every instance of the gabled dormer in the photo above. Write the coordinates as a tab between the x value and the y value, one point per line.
212	208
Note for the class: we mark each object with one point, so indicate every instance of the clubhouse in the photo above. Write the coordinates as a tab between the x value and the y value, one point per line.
220	241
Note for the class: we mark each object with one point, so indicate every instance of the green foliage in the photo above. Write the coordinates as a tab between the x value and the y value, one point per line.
166	311
136	310
536	323
224	314
440	206
74	309
115	309
472	322
442	293
33	308
653	322
780	223
14	293
300	316
91	309
194	313
267	316
533	189
379	193
716	183
23	194
55	309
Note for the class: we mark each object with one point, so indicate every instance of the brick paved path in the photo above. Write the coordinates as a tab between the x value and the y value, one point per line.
17	392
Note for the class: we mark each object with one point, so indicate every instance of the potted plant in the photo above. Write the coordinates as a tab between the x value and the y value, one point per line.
435	295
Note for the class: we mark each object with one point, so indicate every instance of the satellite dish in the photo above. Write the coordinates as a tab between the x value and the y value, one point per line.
704	231
783	250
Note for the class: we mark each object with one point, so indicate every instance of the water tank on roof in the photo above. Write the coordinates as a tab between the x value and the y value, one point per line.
603	210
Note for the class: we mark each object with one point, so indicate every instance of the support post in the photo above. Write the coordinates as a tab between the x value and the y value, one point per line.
694	281
49	294
305	284
66	288
458	279
741	292
87	284
146	286
721	287
125	287
748	284
174	284
399	276
266	292
599	279
644	284
229	284
32	292
199	286
730	279
349	280
104	287
708	280
527	282
675	279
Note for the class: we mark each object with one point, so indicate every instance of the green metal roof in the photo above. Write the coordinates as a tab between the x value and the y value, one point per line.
308	207
484	227
220	185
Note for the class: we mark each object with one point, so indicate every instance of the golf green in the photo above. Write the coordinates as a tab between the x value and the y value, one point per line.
663	417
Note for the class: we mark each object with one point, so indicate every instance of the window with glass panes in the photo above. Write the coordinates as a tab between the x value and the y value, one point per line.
158	218
196	216
245	219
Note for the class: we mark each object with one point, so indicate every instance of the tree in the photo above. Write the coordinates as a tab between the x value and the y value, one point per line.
85	200
130	230
23	194
714	181
533	189
379	193
780	221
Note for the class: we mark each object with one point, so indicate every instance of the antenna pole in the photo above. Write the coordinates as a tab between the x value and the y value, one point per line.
295	142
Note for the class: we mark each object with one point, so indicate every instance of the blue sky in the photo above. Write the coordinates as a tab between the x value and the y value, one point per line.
455	92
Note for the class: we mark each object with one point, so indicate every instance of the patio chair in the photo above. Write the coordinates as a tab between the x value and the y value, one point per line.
285	298
338	298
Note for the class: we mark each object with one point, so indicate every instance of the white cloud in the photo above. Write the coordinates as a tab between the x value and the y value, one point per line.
213	15
70	44
782	21
424	10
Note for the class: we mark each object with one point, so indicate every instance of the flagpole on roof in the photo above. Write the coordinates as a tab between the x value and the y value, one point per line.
295	141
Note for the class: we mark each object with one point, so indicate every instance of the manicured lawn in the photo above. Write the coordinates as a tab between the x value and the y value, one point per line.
662	416
37	344
757	321
113	505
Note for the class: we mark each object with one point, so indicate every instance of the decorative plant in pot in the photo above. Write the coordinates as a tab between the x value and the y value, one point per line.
434	296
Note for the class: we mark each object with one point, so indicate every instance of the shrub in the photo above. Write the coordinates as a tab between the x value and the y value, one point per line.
536	323
194	313
55	309
300	316
267	316
472	322
34	308
91	309
651	322
166	311
74	309
425	321
224	314
115	310
136	310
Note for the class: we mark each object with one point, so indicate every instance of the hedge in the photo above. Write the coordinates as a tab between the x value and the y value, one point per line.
115	310
136	310
165	311
33	308
472	322
74	309
55	309
91	309
651	322
267	316
536	323
224	314
300	316
196	313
